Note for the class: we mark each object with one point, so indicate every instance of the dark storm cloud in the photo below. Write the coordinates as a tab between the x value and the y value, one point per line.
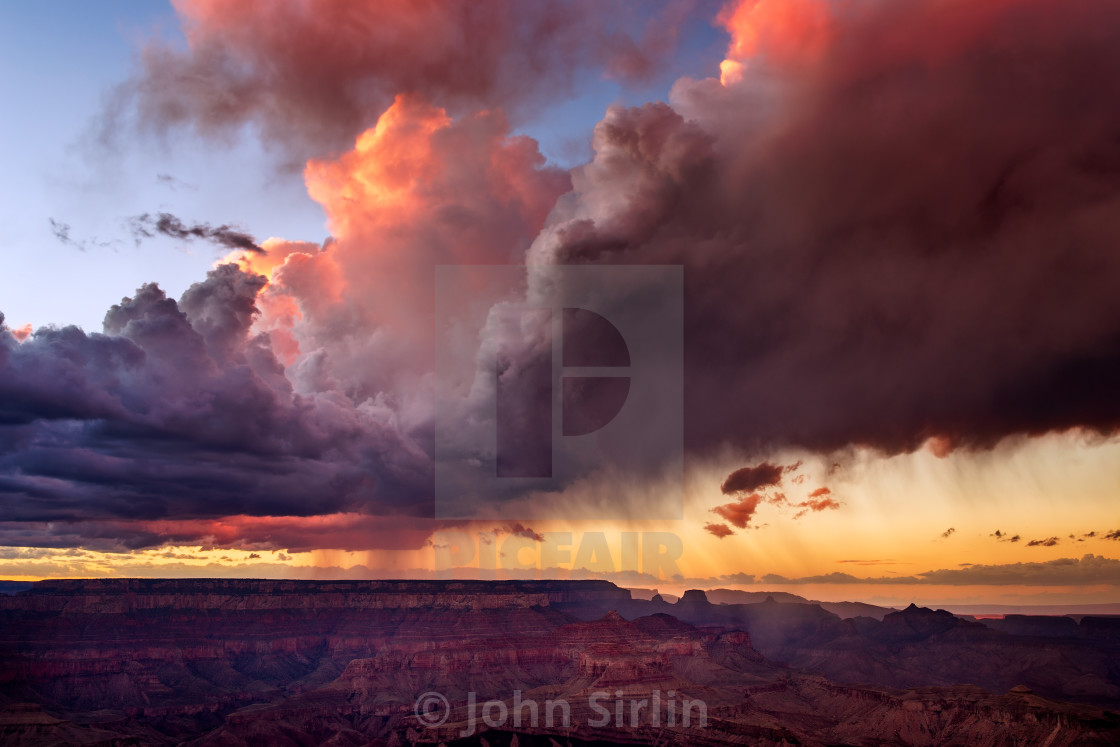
146	226
911	236
178	413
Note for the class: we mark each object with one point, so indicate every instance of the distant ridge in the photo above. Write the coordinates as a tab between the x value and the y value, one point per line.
844	610
14	587
1108	608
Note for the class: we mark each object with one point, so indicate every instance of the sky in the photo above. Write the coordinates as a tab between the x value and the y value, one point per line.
273	280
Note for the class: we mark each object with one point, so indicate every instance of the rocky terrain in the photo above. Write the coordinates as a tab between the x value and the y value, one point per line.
209	662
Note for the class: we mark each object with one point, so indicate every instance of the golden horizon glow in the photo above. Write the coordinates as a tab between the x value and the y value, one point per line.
894	509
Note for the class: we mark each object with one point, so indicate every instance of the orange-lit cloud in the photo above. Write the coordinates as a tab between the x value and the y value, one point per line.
418	190
719	530
784	32
740	512
384	176
313	75
819	500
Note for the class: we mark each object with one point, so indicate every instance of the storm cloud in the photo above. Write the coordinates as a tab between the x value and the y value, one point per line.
897	221
177	412
312	76
901	228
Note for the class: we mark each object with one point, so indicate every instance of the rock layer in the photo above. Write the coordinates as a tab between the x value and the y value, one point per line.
213	662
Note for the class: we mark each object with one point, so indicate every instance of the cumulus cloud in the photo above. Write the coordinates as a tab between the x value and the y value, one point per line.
178	411
896	222
284	402
311	76
1048	542
19	333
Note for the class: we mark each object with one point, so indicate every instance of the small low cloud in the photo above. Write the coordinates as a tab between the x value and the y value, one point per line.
819	500
1048	542
173	555
147	226
750	479
64	233
887	561
1003	537
174	183
520	530
61	232
719	530
948	532
740	512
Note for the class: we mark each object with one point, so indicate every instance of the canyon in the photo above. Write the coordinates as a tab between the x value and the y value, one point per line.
254	662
